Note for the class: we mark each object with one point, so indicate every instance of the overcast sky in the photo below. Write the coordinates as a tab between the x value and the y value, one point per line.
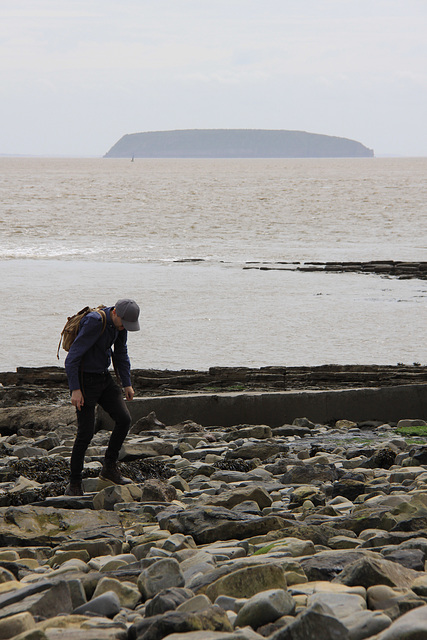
76	75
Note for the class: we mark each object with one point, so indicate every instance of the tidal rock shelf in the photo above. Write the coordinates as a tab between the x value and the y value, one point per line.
39	384
388	268
306	530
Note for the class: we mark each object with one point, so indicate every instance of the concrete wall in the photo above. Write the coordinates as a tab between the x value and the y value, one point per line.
278	408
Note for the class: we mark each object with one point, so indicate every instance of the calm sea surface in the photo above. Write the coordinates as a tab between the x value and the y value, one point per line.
176	236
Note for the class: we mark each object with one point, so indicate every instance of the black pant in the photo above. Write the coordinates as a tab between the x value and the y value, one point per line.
98	388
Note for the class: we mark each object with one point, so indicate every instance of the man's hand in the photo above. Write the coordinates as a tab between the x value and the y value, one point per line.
129	393
77	399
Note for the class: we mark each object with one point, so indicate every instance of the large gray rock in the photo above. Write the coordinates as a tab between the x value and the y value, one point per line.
48	442
350	610
42	600
313	625
262	449
107	546
342	604
147	423
176	624
410	626
28	451
167	600
370	571
319	533
127	594
291	430
327	565
409	558
365	624
107	604
38	418
348	488
306	473
265	607
133	449
230	499
154	490
209	524
364	517
163	574
258	431
247	581
392	600
16	624
110	496
30	525
92	630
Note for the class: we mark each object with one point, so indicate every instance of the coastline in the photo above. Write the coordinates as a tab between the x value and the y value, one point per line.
238	532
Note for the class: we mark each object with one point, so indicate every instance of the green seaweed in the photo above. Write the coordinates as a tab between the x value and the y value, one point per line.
265	549
414	430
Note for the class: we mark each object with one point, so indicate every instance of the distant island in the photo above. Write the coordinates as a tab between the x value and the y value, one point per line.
235	143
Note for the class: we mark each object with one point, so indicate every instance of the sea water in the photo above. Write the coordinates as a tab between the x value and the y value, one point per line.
179	236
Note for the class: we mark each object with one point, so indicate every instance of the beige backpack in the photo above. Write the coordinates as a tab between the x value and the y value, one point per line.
71	328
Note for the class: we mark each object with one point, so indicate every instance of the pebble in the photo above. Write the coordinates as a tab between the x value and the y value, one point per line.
242	533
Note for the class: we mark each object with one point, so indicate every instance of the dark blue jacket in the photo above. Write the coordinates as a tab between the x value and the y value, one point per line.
91	350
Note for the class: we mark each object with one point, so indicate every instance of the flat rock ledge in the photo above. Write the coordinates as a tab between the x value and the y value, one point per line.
246	532
385	268
49	384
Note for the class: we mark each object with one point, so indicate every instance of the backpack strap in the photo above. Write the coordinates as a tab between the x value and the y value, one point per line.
59	344
104	319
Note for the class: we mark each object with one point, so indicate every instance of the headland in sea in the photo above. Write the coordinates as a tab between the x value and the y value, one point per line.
228	531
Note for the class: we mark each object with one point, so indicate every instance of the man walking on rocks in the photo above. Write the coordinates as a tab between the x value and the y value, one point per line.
91	383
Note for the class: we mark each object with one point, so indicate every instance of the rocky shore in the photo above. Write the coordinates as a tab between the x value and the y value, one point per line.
49	384
247	532
385	268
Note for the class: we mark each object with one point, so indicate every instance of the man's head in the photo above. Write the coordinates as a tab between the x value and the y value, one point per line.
126	314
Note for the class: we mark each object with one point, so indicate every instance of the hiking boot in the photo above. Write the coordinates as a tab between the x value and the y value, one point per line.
111	473
74	489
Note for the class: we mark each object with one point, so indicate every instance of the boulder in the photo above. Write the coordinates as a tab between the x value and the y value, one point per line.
154	490
40	600
369	571
209	524
265	607
250	450
348	488
247	581
259	432
107	604
306	473
393	600
409	558
112	495
16	624
230	499
28	451
180	623
327	565
147	423
163	574
168	600
410	626
44	526
41	419
134	449
313	624
196	604
128	594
